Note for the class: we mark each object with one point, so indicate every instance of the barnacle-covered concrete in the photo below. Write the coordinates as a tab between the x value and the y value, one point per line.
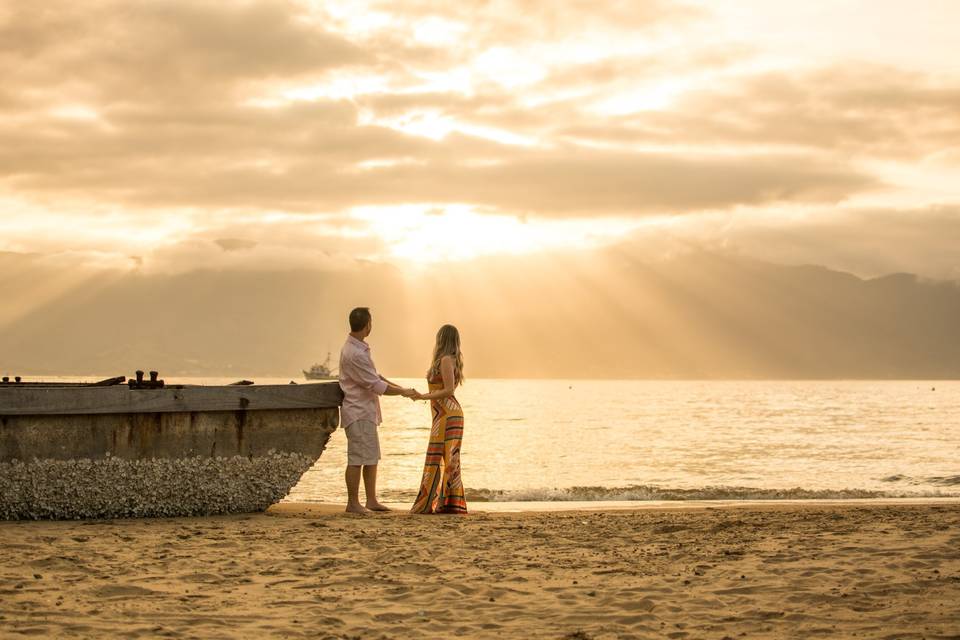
158	487
154	465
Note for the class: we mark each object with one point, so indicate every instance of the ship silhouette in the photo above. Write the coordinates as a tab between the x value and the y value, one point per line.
320	371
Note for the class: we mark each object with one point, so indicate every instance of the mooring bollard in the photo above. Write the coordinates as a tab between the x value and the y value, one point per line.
153	383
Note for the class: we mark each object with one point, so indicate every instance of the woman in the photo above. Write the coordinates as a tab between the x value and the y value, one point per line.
441	489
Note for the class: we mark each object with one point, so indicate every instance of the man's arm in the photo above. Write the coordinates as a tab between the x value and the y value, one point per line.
393	385
363	371
393	389
368	377
396	390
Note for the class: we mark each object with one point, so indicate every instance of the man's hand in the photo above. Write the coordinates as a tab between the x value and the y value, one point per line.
409	393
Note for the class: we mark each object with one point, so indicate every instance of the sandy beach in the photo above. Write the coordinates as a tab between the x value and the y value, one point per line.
767	571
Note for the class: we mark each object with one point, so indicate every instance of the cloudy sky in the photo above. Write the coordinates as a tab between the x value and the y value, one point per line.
173	135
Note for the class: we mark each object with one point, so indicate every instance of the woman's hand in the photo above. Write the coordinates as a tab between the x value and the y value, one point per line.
416	395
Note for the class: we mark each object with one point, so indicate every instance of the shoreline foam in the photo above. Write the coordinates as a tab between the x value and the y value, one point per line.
305	509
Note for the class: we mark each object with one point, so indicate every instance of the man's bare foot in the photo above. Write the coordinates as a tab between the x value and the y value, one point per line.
376	506
356	508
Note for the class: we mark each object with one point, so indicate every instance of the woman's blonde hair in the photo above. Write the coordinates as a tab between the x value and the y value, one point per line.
448	344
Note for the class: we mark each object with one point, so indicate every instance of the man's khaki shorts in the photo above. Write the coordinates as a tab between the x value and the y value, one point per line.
363	443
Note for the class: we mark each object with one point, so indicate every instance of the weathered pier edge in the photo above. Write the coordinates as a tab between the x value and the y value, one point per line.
112	452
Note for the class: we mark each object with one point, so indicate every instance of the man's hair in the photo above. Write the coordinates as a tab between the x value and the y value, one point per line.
359	318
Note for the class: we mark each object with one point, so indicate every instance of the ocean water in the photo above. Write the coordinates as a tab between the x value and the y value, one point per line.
551	440
598	440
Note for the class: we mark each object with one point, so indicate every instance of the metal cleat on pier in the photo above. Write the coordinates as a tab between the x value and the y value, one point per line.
153	383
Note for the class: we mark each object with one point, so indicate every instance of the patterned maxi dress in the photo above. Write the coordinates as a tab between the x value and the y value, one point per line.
441	489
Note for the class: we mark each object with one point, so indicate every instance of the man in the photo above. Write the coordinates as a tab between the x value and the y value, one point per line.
360	413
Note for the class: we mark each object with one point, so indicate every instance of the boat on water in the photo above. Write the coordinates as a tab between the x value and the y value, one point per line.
146	448
320	371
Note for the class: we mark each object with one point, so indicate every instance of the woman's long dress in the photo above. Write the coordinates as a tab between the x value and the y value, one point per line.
441	489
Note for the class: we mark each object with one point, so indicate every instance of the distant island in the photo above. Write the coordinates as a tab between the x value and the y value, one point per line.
702	315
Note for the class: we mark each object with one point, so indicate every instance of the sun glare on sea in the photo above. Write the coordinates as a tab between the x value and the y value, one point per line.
429	234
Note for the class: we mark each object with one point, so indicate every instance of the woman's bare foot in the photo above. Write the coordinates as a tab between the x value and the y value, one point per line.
356	508
376	506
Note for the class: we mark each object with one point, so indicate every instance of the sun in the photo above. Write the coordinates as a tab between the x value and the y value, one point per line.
427	234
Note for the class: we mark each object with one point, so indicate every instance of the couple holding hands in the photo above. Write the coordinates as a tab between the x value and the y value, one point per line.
441	488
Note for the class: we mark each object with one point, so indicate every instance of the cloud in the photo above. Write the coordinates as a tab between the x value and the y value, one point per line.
309	157
571	181
859	109
868	242
162	51
627	70
521	21
149	106
234	244
289	243
580	182
196	112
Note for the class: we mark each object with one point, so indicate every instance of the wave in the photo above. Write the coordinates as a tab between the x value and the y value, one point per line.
639	493
653	492
939	481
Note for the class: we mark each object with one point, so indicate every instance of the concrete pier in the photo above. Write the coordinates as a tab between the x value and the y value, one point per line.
159	462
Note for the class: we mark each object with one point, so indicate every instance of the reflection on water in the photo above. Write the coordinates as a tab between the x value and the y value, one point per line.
648	440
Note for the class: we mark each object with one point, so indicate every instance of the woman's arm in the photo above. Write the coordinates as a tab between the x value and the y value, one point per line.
449	384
